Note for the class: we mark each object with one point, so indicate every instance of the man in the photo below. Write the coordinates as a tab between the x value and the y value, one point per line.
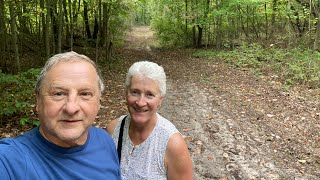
65	145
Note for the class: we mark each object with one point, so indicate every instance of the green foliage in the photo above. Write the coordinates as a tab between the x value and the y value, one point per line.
167	35
17	97
294	66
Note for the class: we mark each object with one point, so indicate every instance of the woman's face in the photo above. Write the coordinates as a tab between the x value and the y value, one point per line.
143	99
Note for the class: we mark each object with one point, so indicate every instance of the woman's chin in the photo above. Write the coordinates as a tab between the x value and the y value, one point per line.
139	117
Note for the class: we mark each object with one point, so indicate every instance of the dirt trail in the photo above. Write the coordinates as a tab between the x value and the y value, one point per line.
237	126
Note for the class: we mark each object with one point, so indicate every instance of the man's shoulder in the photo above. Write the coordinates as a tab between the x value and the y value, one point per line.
98	130
10	148
16	146
100	137
100	133
8	143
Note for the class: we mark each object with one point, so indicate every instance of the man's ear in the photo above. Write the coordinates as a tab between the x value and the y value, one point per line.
37	95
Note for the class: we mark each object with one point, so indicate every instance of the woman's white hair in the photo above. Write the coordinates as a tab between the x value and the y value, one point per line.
148	70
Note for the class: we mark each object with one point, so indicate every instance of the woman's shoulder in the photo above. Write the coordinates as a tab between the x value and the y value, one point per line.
165	127
111	126
165	123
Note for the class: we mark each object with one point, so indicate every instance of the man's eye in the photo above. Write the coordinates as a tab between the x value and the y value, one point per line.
58	93
85	94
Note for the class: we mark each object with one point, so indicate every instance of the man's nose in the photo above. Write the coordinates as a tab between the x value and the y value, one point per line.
72	104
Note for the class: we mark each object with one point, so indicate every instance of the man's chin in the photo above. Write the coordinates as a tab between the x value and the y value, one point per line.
76	138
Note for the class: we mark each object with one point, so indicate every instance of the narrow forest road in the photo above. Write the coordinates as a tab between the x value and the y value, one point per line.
237	125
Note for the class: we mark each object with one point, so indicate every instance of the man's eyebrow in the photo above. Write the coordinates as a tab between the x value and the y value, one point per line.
55	86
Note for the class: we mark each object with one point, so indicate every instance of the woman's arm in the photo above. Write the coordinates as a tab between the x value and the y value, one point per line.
111	125
177	159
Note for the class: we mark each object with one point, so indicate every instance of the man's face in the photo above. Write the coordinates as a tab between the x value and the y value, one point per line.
68	103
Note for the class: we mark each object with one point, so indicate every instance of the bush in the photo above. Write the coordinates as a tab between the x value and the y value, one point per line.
18	100
292	66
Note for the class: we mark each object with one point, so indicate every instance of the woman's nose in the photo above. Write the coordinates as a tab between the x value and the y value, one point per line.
141	101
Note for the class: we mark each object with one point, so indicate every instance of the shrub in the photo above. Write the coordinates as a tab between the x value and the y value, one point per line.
292	66
18	101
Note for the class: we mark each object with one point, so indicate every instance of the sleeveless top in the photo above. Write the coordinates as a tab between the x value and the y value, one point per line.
146	160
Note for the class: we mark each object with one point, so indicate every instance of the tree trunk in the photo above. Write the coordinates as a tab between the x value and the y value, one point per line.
43	22
14	36
316	40
86	19
273	17
99	31
54	29
107	40
186	19
199	42
3	35
60	26
194	35
71	24
66	20
95	29
46	27
266	20
219	34
22	19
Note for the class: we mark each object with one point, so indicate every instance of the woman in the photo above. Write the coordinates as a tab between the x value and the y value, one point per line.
151	146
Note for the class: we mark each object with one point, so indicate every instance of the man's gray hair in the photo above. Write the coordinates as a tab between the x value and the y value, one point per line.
149	70
64	57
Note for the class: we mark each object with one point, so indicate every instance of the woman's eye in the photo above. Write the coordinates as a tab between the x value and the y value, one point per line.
149	95
134	93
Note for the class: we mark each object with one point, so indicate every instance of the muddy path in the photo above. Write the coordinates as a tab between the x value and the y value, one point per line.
237	125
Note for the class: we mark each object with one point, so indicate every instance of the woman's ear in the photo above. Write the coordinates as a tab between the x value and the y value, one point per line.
160	102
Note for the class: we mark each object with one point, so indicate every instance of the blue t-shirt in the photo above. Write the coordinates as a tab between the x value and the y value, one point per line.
31	156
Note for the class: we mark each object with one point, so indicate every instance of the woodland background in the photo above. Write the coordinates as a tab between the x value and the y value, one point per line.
266	35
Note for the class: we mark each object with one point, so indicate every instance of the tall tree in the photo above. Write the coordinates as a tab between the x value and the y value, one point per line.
60	26
54	27
86	19
3	34
317	36
14	36
71	23
47	29
66	20
107	40
43	21
99	31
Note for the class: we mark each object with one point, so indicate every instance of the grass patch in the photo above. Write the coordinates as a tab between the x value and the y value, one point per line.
292	66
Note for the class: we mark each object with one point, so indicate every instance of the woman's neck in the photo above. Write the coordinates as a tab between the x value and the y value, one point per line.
138	133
